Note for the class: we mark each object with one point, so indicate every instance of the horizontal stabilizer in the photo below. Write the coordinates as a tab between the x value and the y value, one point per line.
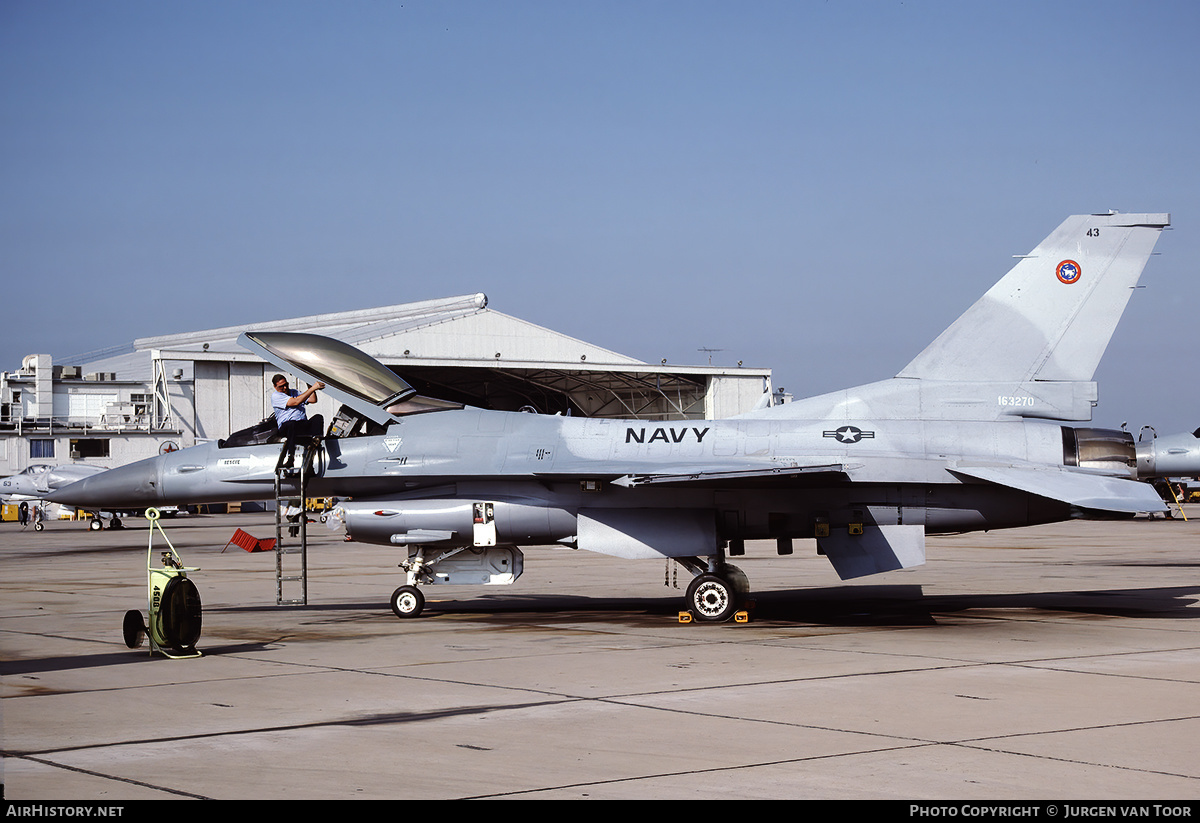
1088	491
877	549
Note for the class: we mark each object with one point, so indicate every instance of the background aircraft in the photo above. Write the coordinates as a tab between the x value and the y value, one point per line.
1168	462
1172	455
970	435
38	480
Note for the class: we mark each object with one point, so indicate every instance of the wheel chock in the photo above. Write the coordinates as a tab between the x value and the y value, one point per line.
741	616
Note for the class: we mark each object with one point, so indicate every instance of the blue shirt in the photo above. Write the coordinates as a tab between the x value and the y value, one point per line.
284	412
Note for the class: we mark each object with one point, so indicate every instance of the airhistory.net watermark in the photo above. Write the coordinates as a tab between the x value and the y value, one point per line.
61	810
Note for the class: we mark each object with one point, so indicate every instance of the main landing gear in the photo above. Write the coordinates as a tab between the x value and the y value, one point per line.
718	592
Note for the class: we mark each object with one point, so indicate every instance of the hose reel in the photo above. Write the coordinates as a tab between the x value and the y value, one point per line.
174	604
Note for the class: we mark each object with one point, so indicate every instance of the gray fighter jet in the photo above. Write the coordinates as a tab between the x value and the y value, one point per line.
1168	462
972	434
1172	455
40	479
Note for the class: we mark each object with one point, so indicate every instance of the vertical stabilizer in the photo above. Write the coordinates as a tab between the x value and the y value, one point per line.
1051	317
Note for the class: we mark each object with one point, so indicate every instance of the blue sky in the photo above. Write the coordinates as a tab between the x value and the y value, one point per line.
815	187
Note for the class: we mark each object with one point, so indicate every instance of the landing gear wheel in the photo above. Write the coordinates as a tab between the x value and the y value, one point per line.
96	525
37	527
407	601
738	580
134	629
712	599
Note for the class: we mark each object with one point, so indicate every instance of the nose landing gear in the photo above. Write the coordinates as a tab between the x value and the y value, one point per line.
407	601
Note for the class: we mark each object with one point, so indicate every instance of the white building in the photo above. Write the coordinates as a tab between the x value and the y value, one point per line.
174	391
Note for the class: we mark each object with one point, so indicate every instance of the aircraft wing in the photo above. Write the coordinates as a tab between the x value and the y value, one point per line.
1089	491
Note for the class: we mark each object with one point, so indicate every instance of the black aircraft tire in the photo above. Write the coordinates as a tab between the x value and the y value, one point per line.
180	614
407	601
737	579
712	599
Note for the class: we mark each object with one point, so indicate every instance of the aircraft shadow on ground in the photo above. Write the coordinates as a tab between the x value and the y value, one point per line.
848	606
884	605
909	605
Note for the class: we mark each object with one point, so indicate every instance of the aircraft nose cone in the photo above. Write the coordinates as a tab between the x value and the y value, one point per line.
125	487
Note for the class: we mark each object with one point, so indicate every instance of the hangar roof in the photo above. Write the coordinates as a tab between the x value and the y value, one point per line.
451	328
458	328
457	348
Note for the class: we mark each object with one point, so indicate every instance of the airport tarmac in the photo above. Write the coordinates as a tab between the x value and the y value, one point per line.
1047	663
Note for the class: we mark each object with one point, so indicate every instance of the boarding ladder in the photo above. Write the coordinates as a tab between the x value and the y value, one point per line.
292	551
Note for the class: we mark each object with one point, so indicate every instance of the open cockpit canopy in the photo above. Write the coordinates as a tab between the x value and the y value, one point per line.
350	375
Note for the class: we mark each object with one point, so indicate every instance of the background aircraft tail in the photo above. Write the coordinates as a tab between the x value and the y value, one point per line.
1052	316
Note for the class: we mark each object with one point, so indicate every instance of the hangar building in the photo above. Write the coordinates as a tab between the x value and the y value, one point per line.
112	407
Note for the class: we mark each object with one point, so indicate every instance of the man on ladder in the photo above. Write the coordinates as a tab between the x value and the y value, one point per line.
296	427
292	418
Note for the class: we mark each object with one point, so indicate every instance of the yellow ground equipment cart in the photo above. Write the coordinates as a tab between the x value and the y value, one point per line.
174	603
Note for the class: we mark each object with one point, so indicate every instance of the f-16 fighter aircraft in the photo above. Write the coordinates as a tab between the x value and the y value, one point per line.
1172	455
38	480
1168	462
972	434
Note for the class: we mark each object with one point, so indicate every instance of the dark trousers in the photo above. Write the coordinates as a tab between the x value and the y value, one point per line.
299	431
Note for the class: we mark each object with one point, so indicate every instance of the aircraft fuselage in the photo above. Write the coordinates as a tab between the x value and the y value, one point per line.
792	475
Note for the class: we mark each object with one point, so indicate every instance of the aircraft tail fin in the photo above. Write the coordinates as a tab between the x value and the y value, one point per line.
1052	316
